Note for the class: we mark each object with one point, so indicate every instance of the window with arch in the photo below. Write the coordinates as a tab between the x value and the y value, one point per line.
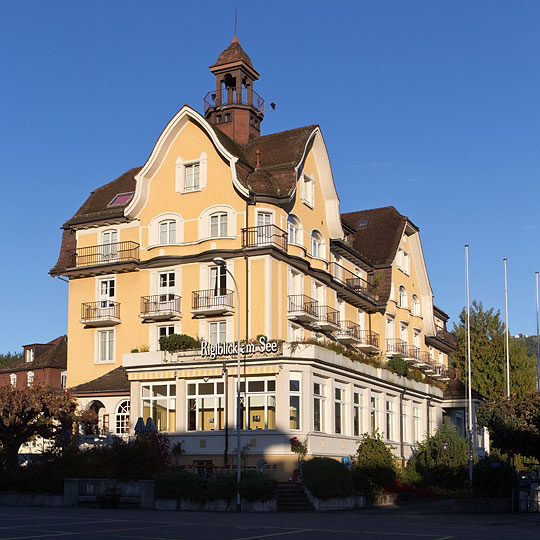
122	418
415	305
316	244
167	232
218	224
292	230
402	299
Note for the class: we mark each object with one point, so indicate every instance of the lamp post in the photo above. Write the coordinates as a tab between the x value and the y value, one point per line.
219	261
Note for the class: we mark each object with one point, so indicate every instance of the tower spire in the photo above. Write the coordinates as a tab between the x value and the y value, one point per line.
234	106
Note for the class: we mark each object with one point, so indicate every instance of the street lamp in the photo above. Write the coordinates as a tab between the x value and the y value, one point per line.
219	261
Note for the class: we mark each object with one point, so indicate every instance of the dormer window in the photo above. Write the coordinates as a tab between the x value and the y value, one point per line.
121	198
29	356
192	177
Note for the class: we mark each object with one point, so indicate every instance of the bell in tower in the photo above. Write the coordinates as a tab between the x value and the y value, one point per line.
234	107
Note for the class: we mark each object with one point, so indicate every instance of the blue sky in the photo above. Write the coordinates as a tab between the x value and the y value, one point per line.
430	106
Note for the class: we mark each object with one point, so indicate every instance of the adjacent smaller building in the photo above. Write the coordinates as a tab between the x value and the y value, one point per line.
40	362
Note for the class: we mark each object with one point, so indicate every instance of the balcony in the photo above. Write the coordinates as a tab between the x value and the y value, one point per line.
440	373
354	289
396	347
413	354
212	302
161	307
446	336
328	318
229	96
426	363
302	308
263	236
351	333
102	313
92	260
442	340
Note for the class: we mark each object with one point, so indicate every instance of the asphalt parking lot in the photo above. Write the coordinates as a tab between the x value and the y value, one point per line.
18	523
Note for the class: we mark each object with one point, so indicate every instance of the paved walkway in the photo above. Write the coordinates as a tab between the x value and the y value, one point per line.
407	523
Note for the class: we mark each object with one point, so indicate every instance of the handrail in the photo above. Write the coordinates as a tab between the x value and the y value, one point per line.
302	303
104	309
114	253
264	235
160	303
396	345
229	96
212	298
351	280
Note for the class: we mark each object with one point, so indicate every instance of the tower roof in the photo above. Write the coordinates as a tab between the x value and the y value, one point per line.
233	53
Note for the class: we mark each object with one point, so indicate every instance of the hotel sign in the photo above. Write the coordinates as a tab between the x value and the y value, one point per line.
231	348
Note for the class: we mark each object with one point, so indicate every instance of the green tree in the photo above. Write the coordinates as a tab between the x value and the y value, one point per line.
6	358
488	355
514	424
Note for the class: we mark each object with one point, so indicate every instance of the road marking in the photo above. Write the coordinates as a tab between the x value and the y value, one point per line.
296	531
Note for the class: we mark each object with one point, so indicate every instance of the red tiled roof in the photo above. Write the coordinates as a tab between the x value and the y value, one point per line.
379	238
233	53
113	381
48	355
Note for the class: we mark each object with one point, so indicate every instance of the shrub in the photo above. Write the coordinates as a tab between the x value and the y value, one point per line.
374	458
222	486
256	486
327	478
398	366
442	459
180	484
363	485
415	375
178	342
494	477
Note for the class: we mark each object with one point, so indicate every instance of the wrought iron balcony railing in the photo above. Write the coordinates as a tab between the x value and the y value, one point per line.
302	307
328	316
445	335
264	235
118	252
351	281
161	305
212	300
229	96
396	347
103	311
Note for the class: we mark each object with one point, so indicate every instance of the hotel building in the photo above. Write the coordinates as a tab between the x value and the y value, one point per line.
312	284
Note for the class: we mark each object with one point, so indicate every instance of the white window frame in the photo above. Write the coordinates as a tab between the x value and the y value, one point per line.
402	297
319	397
339	409
217	332
293	230
295	393
63	379
198	401
167	232
122	418
308	190
405	420
389	419
358	412
374	413
29	378
13	380
415	422
269	396
110	340
170	398
415	305
182	174
29	355
219	223
317	245
109	242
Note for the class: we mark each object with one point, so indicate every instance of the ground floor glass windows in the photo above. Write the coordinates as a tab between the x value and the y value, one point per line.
294	403
122	418
259	404
206	406
339	404
318	407
158	401
357	413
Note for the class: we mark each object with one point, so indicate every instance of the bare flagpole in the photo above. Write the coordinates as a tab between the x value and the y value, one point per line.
507	348
537	340
469	381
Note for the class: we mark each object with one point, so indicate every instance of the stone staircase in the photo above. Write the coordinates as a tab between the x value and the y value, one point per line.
292	498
